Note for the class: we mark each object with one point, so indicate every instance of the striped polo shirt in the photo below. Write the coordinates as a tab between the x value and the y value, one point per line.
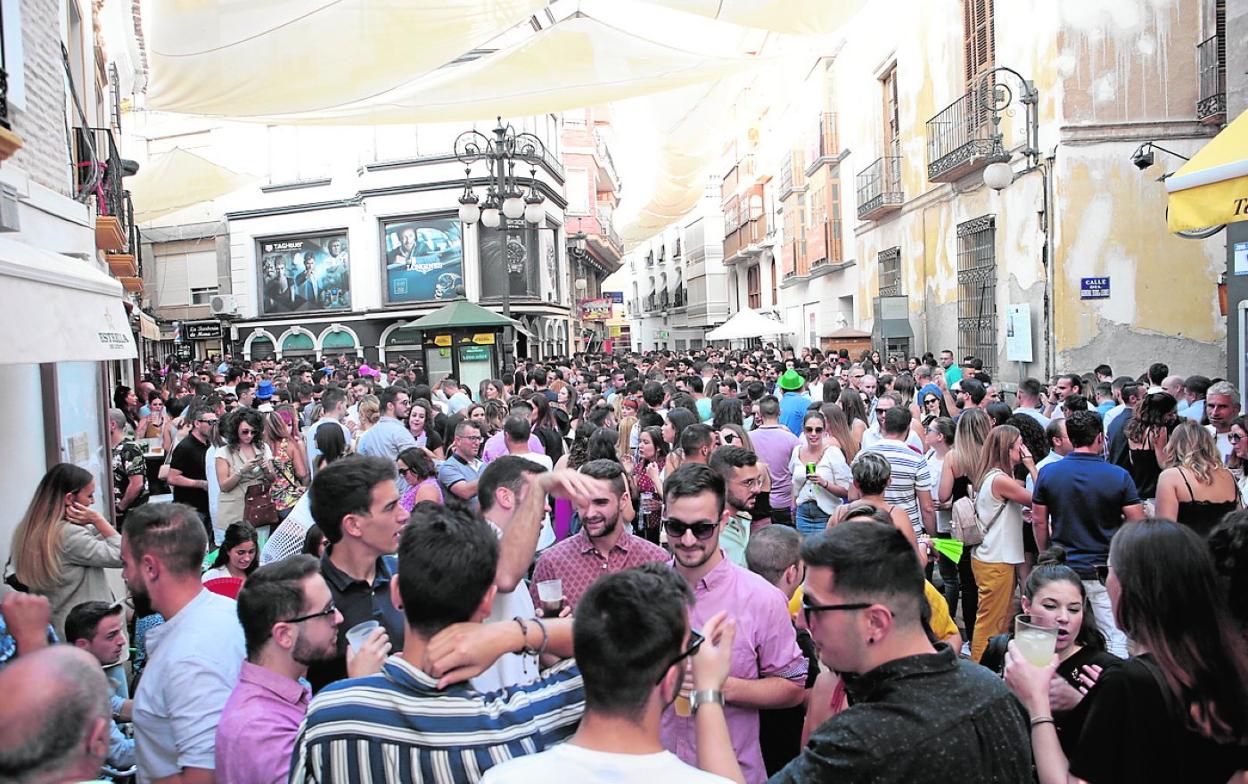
910	475
397	726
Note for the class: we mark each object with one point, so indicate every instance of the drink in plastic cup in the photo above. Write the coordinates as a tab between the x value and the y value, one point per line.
810	469
1037	643
683	708
357	634
550	596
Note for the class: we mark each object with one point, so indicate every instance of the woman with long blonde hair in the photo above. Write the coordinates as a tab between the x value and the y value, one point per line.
1195	488
62	546
290	462
838	433
999	500
955	482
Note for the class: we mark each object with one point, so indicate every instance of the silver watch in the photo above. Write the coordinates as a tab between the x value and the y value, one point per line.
703	697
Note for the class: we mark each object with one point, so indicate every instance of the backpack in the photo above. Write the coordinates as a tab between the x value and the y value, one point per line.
967	527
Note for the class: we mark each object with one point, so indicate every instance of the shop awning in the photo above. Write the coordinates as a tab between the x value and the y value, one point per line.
78	307
747	323
148	328
1212	188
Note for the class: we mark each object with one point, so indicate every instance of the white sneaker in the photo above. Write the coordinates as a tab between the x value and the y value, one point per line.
966	650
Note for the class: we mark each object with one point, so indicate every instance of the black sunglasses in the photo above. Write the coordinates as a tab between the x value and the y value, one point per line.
728	438
695	641
676	529
330	610
809	608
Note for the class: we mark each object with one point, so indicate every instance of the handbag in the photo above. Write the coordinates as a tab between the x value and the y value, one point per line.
967	527
258	507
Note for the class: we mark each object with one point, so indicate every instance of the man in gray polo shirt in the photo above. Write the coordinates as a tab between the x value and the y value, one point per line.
459	473
194	657
389	436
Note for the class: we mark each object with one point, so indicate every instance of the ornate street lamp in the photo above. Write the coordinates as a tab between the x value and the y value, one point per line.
995	98
508	197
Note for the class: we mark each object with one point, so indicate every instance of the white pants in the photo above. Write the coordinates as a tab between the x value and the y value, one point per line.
1098	597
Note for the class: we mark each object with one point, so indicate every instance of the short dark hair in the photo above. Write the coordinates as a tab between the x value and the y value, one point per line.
871	561
1053	430
695	437
727	458
1030	387
693	479
517	429
331	397
629	626
1082	428
771	550
507	471
1197	385
897	420
1074	403
271	594
652	393
389	395
85	618
769	406
1157	373
1103	370
607	470
974	389
346	487
173	533
447	560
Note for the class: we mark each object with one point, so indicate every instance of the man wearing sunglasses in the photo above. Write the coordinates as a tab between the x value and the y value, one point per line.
290	621
862	602
188	465
768	669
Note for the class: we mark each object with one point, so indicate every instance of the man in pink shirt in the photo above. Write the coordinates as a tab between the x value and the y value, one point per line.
768	667
289	621
773	443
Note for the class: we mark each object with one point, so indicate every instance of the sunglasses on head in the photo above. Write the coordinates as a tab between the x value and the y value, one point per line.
676	529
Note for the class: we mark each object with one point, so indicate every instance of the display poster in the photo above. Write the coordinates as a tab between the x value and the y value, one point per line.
305	273
424	259
510	256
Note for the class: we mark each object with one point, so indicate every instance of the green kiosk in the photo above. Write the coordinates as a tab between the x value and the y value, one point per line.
463	340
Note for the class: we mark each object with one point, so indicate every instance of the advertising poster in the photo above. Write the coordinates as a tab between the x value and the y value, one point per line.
502	252
596	309
424	259
306	273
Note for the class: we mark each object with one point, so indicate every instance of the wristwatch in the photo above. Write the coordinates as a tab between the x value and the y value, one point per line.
703	697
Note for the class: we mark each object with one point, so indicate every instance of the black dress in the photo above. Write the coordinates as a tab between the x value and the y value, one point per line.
1202	516
1069	723
1134	733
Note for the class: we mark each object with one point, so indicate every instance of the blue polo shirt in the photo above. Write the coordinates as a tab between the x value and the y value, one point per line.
1084	496
793	408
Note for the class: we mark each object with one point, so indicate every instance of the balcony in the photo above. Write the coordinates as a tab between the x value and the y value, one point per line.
609	178
959	140
651	302
1211	102
825	144
823	243
665	299
650	259
792	175
98	172
879	188
742	173
680	297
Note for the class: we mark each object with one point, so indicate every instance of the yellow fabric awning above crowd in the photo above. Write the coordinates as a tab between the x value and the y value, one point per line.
1212	188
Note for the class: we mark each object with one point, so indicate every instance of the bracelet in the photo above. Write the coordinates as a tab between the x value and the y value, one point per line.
541	649
524	634
699	698
1038	720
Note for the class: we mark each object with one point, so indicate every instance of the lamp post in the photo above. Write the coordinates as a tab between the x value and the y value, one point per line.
578	253
995	98
506	198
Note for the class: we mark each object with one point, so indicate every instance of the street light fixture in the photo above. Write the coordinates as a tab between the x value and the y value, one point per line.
995	98
506	197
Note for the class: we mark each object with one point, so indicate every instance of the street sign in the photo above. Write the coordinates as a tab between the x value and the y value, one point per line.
204	330
616	296
474	354
1094	288
182	351
1018	333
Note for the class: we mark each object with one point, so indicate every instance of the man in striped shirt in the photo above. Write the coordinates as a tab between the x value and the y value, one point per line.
404	724
910	485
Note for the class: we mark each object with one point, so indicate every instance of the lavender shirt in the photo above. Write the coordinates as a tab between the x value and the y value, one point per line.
766	644
774	446
496	447
256	736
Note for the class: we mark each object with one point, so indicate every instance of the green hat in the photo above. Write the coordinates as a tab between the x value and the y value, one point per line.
791	381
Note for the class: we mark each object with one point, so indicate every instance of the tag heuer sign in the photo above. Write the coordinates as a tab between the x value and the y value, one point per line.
207	330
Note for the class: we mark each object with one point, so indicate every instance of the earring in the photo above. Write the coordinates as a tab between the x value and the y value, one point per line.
870	641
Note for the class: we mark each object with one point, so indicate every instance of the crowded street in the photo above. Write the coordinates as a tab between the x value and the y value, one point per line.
624	391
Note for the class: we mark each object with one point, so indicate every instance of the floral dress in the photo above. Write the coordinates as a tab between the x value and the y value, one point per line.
286	490
650	520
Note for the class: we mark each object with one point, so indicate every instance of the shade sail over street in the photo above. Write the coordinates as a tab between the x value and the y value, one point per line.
1212	188
793	17
179	179
747	323
240	59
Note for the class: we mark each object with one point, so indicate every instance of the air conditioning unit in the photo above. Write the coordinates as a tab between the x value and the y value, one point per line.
223	305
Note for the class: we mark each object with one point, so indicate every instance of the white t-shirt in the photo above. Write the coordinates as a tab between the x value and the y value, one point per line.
511	669
568	762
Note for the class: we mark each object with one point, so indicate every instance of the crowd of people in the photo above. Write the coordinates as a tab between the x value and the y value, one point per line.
747	565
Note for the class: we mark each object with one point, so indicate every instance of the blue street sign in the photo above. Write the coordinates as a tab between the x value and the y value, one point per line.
1094	288
616	296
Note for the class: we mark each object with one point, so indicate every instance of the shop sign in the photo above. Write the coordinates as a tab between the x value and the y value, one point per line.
442	340
483	338
595	309
474	354
206	330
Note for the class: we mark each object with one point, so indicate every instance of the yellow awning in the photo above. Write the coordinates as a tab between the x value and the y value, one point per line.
1212	188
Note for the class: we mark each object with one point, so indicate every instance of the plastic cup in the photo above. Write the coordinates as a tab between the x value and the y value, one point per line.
810	469
683	708
357	634
1037	643
550	595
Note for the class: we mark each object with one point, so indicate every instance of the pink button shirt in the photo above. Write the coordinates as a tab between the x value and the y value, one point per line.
766	645
258	726
577	563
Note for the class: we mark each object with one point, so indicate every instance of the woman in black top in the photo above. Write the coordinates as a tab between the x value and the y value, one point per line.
1195	488
1147	434
1054	596
1178	710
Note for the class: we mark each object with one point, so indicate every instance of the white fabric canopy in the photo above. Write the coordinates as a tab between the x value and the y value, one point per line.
747	323
579	61
179	179
795	17
75	308
267	57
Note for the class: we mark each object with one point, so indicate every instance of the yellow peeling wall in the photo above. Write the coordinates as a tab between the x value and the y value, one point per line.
1110	74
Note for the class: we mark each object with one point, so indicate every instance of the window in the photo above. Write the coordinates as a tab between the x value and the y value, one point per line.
754	287
774	278
890	272
978	43
203	296
977	290
184	268
578	191
892	113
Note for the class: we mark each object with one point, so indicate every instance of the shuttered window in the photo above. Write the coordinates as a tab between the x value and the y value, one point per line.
754	287
979	46
183	267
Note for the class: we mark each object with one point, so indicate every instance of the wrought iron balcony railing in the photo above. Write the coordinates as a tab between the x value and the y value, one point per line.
959	139
879	188
1211	101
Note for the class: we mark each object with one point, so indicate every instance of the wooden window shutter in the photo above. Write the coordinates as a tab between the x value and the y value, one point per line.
979	46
